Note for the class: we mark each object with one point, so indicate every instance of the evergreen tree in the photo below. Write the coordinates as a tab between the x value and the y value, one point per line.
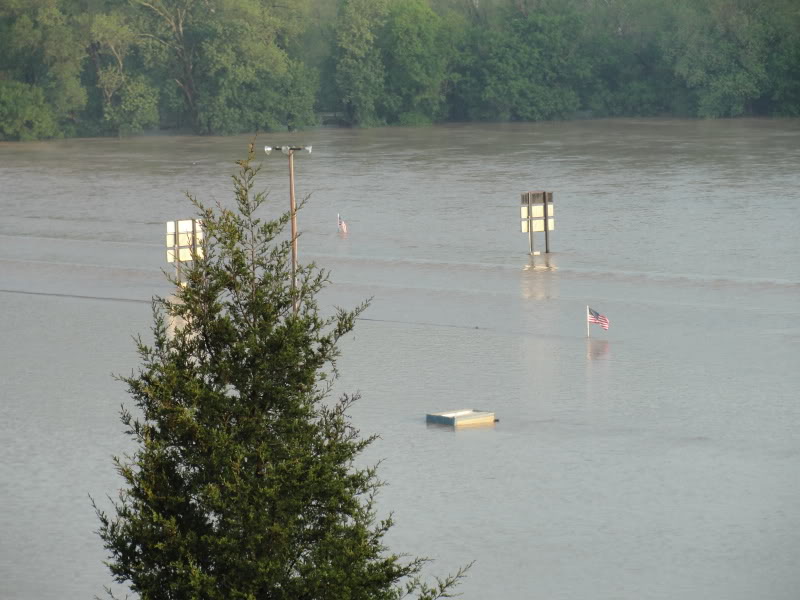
243	483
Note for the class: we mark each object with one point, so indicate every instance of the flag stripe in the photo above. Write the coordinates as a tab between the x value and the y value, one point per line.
596	317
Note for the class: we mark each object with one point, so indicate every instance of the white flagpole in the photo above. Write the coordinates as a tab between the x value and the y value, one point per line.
587	321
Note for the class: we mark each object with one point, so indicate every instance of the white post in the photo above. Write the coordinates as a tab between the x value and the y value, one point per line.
587	321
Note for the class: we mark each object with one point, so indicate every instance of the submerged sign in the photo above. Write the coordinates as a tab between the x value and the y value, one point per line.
537	215
184	238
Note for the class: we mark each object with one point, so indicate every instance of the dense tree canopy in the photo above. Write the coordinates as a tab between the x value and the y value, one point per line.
360	73
88	67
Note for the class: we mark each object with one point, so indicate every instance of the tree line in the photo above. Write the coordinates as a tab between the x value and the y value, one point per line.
115	67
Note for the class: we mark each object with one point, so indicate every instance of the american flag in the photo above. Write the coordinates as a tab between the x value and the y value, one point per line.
596	317
342	224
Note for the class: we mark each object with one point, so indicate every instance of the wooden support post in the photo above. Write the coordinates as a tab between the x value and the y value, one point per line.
176	252
546	223
529	198
194	238
293	212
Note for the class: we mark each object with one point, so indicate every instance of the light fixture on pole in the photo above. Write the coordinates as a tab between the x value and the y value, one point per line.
289	151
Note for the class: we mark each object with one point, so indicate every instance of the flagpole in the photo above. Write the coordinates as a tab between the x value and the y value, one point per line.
587	321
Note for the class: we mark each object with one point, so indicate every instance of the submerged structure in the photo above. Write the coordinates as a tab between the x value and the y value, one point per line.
462	418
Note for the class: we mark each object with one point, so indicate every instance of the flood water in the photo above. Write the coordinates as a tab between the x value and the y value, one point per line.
656	460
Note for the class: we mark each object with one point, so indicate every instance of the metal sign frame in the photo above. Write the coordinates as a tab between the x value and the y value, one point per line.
184	241
537	214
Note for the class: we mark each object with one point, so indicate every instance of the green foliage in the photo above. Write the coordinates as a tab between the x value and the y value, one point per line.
229	66
782	95
360	72
527	71
627	73
175	31
316	49
243	481
24	114
247	85
129	103
137	108
264	102
41	46
230	63
415	60
720	50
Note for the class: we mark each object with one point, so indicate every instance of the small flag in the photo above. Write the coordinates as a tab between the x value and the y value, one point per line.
342	224
595	317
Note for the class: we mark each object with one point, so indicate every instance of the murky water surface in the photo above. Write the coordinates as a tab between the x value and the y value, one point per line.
657	460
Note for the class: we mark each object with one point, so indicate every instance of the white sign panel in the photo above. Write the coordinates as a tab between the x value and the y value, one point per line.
182	236
538	225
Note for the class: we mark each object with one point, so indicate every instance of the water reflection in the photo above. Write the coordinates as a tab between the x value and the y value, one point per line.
453	429
597	349
174	322
537	280
537	262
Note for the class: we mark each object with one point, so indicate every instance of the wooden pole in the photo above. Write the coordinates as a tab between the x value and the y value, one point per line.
528	197
176	251
293	213
546	226
194	238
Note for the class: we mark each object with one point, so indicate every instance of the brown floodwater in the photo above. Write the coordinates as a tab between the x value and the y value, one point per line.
654	460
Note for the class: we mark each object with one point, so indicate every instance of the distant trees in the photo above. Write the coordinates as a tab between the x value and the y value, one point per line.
211	65
41	47
24	113
530	70
626	72
416	55
719	50
724	51
360	71
129	100
229	63
225	66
